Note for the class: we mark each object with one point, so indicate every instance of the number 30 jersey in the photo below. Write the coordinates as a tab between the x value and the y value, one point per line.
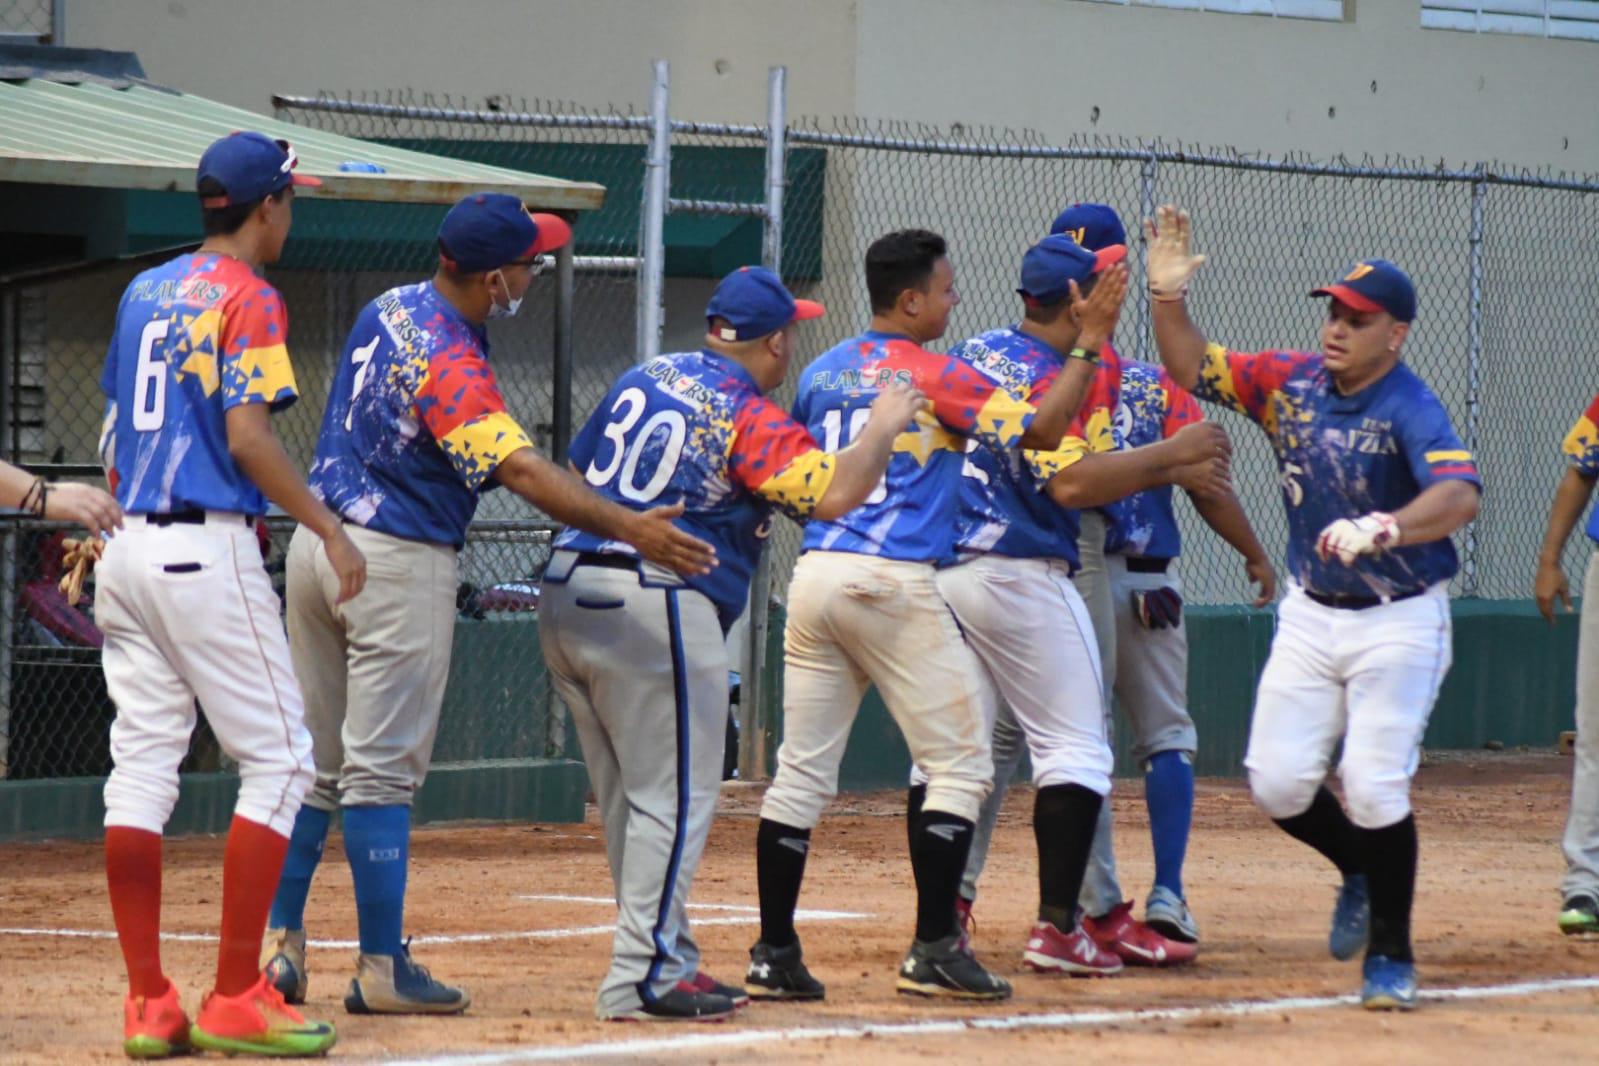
415	425
693	428
194	337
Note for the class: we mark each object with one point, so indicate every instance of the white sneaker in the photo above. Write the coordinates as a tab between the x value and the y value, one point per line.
1167	913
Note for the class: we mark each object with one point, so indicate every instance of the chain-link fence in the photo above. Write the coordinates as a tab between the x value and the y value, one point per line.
28	21
1499	260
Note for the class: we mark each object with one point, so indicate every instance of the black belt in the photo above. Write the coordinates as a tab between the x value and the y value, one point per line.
1137	564
1360	603
194	516
607	560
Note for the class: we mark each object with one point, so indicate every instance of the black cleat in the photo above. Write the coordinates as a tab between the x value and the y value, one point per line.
780	973
681	1003
947	968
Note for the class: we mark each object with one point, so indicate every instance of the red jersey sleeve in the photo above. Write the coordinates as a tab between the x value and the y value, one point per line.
774	457
461	406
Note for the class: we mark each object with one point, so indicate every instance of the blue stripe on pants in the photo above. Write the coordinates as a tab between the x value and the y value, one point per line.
674	628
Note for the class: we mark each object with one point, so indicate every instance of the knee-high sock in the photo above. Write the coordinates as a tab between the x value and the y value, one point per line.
915	796
299	865
1169	795
1063	828
250	868
1325	827
1390	855
938	859
780	852
133	876
377	841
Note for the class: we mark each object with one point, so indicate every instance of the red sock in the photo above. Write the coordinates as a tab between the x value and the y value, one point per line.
250	869
133	874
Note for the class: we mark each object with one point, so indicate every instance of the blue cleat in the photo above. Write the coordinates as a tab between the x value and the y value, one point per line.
1351	921
1389	984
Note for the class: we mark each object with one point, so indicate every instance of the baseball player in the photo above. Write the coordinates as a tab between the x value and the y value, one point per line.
637	653
1375	481
1016	546
1579	890
414	433
196	366
864	607
60	501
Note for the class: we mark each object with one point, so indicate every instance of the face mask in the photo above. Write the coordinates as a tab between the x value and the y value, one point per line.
508	310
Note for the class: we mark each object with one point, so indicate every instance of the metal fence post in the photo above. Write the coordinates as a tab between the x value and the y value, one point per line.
652	223
561	358
755	683
1479	196
8	534
1146	206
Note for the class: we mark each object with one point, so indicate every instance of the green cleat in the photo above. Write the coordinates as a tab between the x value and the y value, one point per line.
1579	915
259	1022
154	1028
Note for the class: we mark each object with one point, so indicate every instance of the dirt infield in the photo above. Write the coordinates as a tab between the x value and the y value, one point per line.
517	906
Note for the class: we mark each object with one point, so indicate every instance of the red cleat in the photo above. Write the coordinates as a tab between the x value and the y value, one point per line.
1051	951
1134	942
154	1028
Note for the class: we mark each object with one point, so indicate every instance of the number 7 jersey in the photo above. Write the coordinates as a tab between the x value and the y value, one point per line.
693	428
194	337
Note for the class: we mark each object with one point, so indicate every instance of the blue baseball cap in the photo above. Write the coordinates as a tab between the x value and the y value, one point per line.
1375	285
1094	226
249	166
1051	265
488	230
753	302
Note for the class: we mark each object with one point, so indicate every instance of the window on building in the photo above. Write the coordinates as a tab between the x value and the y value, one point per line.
1325	10
1570	19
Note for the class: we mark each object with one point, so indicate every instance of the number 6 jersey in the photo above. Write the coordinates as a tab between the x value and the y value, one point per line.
693	427
194	337
415	425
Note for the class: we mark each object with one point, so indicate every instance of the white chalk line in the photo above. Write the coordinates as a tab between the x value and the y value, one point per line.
701	1042
465	938
737	908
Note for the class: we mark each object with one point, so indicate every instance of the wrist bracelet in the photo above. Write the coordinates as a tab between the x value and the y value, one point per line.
1087	355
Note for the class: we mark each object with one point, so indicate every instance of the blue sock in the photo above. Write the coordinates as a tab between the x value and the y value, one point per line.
305	851
1169	795
377	841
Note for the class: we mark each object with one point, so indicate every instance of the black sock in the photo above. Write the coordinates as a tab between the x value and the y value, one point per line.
1063	827
938	859
780	852
915	796
1325	827
1390	855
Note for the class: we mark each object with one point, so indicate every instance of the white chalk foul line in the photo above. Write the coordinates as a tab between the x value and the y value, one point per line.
737	908
458	938
702	1042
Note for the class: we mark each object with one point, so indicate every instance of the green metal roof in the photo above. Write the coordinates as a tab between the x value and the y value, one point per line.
131	135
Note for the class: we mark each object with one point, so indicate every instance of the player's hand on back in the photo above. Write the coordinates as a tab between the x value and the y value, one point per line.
661	542
1097	312
1211	477
347	562
71	501
1200	442
1262	573
1550	585
897	405
1168	262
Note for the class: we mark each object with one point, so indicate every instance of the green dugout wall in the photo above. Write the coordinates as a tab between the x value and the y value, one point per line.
502	755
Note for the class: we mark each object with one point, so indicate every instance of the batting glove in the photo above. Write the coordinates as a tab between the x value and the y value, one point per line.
1168	264
1350	538
1160	608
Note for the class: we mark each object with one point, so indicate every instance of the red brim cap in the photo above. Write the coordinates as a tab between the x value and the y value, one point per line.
304	179
1344	294
807	309
554	232
1109	256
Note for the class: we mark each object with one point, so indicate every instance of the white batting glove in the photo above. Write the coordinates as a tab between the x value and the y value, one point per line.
1350	538
1168	263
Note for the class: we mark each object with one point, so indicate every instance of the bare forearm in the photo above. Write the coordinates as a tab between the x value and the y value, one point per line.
1571	499
563	495
1441	509
14	485
1105	477
260	455
1061	403
1224	514
1181	344
857	470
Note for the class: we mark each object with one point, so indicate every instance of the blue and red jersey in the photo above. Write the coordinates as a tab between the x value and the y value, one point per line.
911	514
1004	506
194	337
1153	408
415	424
1582	452
693	428
1344	456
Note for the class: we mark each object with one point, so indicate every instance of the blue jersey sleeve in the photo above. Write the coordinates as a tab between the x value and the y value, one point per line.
1432	448
580	453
